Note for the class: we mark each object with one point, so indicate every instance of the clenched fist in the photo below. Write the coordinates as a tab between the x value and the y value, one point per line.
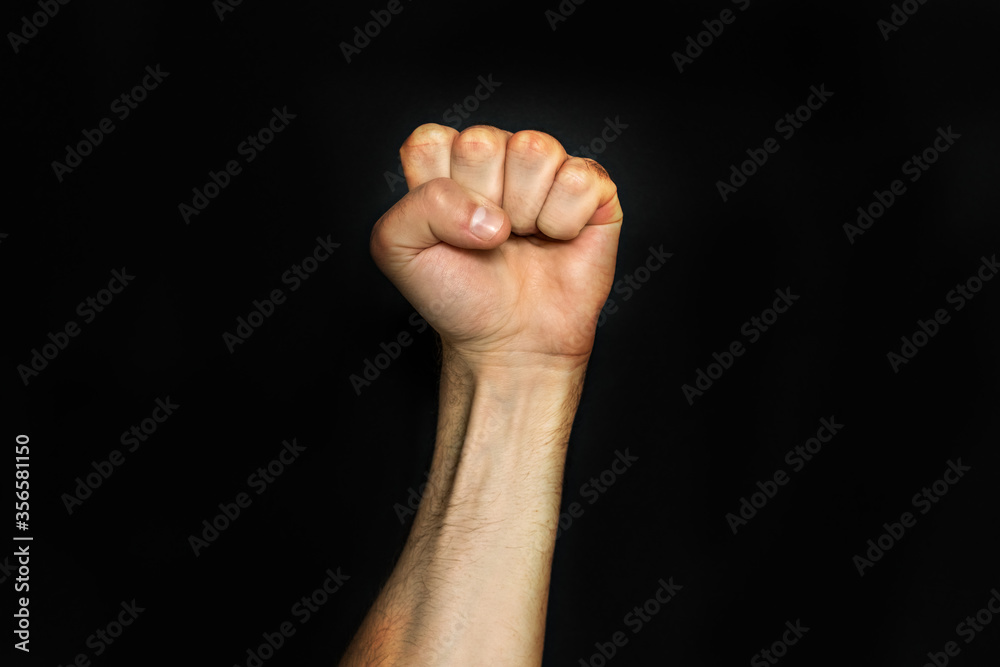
504	244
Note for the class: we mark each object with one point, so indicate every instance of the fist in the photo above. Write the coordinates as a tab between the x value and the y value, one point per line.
504	244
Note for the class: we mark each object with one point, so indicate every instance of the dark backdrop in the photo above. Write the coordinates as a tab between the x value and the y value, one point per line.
340	506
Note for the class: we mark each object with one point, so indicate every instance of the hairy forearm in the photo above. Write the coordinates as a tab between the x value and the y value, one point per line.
471	586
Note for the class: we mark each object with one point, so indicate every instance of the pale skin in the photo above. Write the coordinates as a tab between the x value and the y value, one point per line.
516	309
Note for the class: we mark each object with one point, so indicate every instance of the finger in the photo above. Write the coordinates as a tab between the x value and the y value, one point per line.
531	163
477	156
582	194
426	153
437	211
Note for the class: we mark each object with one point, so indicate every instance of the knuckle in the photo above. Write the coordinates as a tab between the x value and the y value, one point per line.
575	177
597	169
425	143
429	136
437	193
558	228
531	144
477	143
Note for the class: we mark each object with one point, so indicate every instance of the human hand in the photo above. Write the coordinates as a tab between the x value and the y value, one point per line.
504	244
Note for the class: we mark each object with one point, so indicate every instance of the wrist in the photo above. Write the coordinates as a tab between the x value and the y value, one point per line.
517	423
513	370
523	400
496	418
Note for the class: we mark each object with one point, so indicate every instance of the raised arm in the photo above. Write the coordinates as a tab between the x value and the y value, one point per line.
517	314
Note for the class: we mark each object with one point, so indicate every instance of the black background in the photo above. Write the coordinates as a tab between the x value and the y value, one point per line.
325	175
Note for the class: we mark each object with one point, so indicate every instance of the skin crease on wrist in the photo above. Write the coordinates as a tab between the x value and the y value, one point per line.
516	314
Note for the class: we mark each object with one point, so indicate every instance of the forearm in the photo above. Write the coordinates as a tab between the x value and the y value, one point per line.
471	586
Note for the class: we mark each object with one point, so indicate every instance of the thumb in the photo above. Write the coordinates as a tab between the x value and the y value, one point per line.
439	210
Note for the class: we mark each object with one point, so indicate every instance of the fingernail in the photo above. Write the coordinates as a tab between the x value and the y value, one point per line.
486	222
